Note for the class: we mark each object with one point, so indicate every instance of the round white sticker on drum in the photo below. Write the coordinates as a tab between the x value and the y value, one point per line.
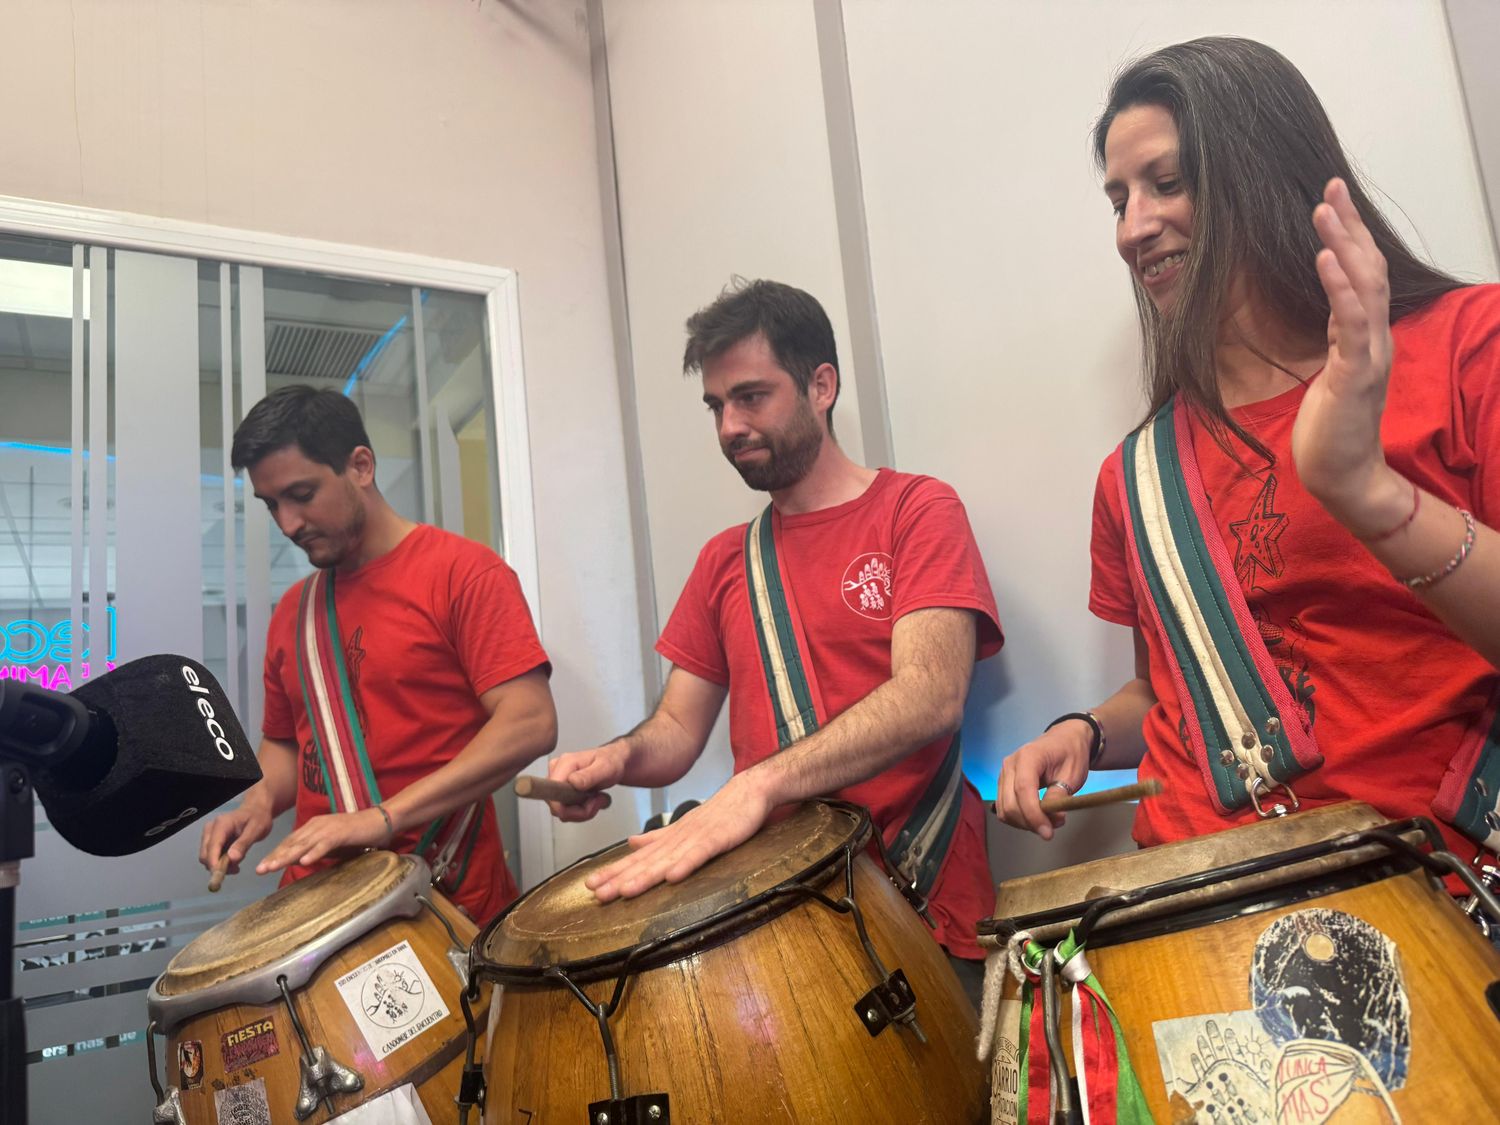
392	999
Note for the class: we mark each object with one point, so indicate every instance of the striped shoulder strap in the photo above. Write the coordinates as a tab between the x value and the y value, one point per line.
787	674
348	774
921	845
1469	796
328	696
1248	736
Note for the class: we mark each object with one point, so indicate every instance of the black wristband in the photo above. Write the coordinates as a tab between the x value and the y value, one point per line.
1096	747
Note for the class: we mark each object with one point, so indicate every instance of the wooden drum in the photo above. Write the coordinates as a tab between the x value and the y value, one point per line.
334	991
742	994
1306	969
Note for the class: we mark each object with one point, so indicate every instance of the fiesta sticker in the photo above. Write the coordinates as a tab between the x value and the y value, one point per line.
245	1104
392	999
249	1044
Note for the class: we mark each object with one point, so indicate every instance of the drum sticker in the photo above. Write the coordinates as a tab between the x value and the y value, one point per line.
1326	975
249	1044
392	999
245	1104
1005	1076
1315	1077
190	1064
1216	1068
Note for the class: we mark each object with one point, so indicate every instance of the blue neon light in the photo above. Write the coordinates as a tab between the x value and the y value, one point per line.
375	349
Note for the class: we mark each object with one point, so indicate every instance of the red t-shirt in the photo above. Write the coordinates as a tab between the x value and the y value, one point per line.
854	569
1390	690
426	629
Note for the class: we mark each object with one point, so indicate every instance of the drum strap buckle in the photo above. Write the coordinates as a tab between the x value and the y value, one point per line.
642	1109
1258	783
889	1001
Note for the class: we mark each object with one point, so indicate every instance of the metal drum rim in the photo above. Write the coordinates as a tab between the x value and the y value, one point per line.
261	984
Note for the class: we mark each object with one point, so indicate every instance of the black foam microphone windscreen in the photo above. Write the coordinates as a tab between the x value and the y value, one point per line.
163	748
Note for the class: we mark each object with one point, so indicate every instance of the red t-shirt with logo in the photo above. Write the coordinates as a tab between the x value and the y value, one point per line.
1390	690
854	570
426	630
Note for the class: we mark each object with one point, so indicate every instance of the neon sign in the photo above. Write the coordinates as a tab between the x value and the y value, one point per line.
31	642
30	650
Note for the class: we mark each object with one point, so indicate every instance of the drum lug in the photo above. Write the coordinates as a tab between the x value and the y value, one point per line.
643	1109
890	1000
322	1077
169	1112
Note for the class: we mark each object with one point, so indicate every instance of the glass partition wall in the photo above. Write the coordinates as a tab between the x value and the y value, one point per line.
123	532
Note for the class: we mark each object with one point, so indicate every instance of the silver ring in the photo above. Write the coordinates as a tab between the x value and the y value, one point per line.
1063	785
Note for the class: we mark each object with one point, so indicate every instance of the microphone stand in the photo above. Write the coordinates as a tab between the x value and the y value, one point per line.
17	842
37	728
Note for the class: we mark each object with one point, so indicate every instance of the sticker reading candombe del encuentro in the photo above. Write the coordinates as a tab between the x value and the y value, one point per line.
392	999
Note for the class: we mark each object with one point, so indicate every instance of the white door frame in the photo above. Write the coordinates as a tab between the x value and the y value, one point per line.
496	284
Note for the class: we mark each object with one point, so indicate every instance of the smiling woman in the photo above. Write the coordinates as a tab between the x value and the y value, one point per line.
1316	452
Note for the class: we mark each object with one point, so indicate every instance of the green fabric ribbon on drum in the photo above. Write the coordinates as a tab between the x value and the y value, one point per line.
1108	1087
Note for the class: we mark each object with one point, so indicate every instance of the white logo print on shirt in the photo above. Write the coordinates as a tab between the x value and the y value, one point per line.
867	585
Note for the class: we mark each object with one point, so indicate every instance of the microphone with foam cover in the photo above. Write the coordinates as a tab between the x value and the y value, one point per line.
158	747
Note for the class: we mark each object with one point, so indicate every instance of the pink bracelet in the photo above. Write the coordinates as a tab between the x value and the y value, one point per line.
1424	581
1416	502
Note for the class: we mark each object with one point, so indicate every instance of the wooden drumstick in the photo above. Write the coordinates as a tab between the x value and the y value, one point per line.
545	789
216	876
1066	802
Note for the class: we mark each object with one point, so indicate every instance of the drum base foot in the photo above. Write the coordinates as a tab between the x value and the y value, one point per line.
643	1109
322	1077
169	1112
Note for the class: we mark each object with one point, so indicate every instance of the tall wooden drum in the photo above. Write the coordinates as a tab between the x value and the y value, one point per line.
776	984
334	991
1301	970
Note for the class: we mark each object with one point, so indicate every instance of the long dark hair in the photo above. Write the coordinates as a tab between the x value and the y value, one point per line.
1255	151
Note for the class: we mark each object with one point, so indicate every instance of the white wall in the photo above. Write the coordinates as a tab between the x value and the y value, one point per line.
722	157
1005	316
1007	329
445	128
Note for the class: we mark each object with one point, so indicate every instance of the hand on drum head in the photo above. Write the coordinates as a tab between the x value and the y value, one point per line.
323	837
726	820
1057	755
232	835
596	769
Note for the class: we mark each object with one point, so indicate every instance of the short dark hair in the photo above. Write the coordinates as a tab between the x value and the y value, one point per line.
1255	150
324	425
792	322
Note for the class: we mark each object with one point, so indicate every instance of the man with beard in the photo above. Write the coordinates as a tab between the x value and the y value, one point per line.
843	624
404	673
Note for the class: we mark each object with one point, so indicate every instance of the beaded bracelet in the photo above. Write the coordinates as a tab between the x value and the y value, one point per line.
1423	581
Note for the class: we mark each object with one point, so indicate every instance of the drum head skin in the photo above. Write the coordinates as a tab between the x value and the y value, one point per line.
561	922
1077	886
290	919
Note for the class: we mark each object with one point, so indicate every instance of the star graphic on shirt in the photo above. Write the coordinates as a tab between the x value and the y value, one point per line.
1256	537
354	653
